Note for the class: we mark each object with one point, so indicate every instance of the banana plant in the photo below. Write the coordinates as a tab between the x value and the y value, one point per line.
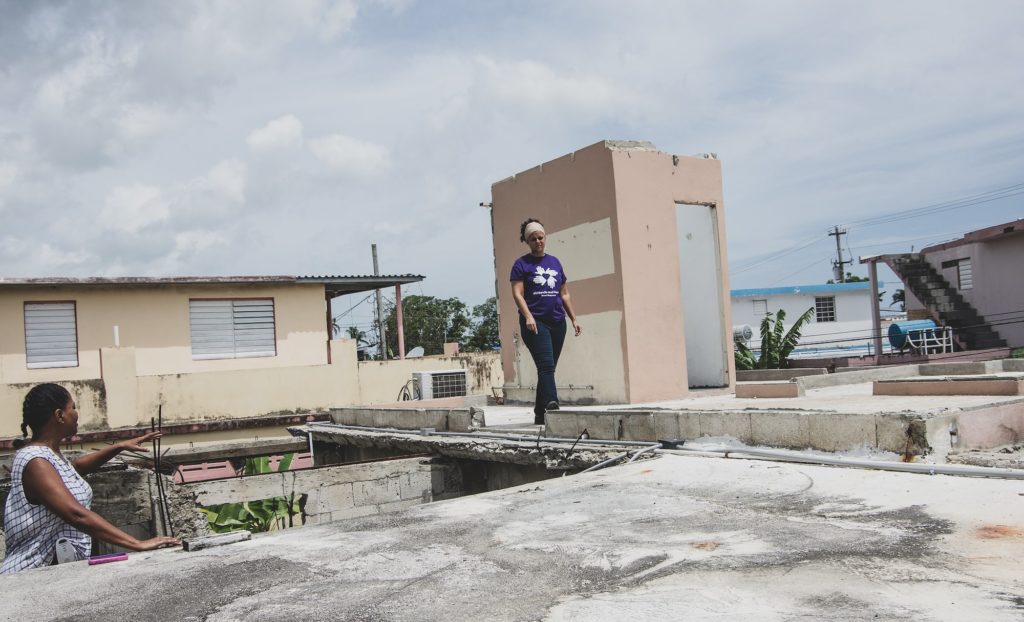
256	516
776	342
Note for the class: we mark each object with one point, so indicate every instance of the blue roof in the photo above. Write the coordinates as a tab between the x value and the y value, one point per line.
789	290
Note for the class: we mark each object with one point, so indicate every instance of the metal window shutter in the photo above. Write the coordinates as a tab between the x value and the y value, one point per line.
51	336
254	328
232	328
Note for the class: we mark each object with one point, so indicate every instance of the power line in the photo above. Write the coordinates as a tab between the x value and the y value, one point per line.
926	210
944	206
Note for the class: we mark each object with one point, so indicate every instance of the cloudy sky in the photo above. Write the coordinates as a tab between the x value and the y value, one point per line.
258	137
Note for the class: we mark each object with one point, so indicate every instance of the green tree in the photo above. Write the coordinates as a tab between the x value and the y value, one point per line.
429	322
899	297
851	278
359	336
483	336
776	342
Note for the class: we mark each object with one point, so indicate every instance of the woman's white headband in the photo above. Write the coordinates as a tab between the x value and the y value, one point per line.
531	228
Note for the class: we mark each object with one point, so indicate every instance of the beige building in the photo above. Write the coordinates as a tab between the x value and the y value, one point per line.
207	351
641	235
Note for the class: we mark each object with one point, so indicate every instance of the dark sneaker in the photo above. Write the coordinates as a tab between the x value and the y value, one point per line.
552	405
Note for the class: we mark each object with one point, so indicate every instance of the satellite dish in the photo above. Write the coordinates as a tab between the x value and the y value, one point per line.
414	353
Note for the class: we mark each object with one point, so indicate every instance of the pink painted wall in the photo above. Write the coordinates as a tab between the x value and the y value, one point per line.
636	188
576	188
998	288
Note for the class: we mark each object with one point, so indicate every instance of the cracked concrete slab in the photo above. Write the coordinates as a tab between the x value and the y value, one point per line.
665	539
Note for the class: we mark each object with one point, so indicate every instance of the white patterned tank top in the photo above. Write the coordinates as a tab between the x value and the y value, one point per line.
31	531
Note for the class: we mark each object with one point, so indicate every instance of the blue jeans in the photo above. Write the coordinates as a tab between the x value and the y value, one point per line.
545	347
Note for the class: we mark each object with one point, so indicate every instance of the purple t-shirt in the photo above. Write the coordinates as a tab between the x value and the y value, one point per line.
542	279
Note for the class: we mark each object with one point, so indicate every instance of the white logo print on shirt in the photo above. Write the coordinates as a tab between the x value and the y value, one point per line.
545	277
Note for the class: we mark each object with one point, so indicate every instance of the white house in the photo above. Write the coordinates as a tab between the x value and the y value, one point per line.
841	324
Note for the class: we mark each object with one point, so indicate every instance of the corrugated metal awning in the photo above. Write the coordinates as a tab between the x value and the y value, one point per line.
335	285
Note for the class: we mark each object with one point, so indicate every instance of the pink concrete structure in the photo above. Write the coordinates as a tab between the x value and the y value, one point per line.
993	257
641	235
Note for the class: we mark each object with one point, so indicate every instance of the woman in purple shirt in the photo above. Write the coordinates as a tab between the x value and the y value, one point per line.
540	291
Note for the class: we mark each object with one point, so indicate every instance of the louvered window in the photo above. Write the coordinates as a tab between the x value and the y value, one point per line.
51	335
232	329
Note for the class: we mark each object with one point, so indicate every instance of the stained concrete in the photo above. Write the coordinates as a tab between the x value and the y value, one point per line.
666	539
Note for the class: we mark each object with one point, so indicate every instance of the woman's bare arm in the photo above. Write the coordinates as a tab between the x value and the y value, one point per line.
44	486
93	460
567	303
518	293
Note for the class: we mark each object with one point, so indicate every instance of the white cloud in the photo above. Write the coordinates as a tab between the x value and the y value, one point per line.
344	154
139	122
132	208
337	19
8	173
281	133
537	84
36	258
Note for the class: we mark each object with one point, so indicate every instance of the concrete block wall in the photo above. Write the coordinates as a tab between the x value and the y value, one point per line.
344	491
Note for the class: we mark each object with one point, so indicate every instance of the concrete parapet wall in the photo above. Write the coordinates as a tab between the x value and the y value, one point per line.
960	369
441	419
339	492
768	375
767	389
856	377
950	386
788	429
1013	364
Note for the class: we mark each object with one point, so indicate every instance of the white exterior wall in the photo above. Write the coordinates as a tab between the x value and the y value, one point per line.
853	319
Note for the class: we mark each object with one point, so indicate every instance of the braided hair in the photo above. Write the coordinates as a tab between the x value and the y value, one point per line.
522	228
40	403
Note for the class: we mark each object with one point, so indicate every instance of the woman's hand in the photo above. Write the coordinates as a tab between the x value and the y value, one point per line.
158	542
135	444
531	324
576	327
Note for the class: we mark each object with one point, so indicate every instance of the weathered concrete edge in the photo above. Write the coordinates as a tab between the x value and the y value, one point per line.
791	429
444	419
857	377
553	456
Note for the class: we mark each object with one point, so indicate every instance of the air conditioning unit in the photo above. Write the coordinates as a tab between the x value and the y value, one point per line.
438	384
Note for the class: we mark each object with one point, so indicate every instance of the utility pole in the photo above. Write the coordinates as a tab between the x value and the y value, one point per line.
838	269
382	343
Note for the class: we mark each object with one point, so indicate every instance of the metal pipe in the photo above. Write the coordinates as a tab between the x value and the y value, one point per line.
901	467
643	451
601	465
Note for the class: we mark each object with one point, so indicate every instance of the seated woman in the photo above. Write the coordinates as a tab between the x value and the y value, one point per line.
49	498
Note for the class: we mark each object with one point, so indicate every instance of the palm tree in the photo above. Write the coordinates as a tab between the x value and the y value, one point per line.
899	297
358	335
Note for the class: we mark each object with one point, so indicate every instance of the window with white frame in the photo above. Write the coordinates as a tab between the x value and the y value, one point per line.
760	307
51	335
232	329
824	308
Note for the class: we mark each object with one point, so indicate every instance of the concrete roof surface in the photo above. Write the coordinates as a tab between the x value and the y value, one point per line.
667	539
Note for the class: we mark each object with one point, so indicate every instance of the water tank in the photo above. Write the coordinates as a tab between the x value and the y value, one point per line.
898	331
